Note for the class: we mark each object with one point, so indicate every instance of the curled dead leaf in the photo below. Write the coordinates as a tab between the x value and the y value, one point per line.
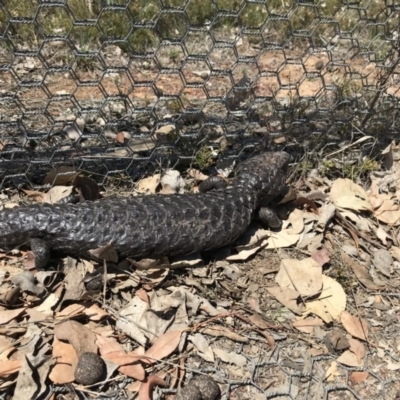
147	387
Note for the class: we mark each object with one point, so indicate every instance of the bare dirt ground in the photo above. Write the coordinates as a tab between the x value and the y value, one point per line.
284	75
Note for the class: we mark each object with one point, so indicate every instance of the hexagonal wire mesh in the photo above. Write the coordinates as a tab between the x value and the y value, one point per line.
113	86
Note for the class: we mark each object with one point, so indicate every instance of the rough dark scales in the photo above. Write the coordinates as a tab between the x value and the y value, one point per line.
153	225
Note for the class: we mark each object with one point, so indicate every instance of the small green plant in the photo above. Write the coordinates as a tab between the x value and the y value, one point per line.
350	171
85	63
305	166
204	157
174	106
347	87
360	169
174	55
328	166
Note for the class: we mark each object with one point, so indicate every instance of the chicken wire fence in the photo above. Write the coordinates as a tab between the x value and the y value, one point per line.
117	87
113	87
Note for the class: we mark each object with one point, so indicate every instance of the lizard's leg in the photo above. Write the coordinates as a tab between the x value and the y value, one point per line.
41	251
269	217
211	183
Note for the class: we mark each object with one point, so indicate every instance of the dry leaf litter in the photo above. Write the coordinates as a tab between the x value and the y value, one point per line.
311	311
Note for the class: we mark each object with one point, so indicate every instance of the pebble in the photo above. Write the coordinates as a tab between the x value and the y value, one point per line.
201	387
90	369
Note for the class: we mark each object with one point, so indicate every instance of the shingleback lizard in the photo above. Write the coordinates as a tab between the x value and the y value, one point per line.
150	225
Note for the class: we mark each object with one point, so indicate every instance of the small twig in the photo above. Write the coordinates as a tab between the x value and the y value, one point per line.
104	283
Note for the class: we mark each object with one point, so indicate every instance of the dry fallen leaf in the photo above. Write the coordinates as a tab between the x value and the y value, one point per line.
350	359
8	315
57	193
358	349
388	212
164	345
197	175
67	360
357	327
358	376
253	236
244	255
70	311
374	197
327	212
8	367
287	296
307	325
393	366
280	240
50	302
348	195
395	251
322	256
361	272
230	357
95	313
147	387
105	253
304	276
31	381
296	219
79	336
142	322
149	185
330	303
382	235
34	195
203	348
120	137
332	372
129	364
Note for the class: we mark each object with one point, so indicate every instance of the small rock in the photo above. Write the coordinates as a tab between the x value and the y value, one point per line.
165	130
172	182
262	130
202	74
126	135
100	122
109	133
189	393
90	369
351	250
80	122
141	144
74	133
201	387
319	65
383	261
